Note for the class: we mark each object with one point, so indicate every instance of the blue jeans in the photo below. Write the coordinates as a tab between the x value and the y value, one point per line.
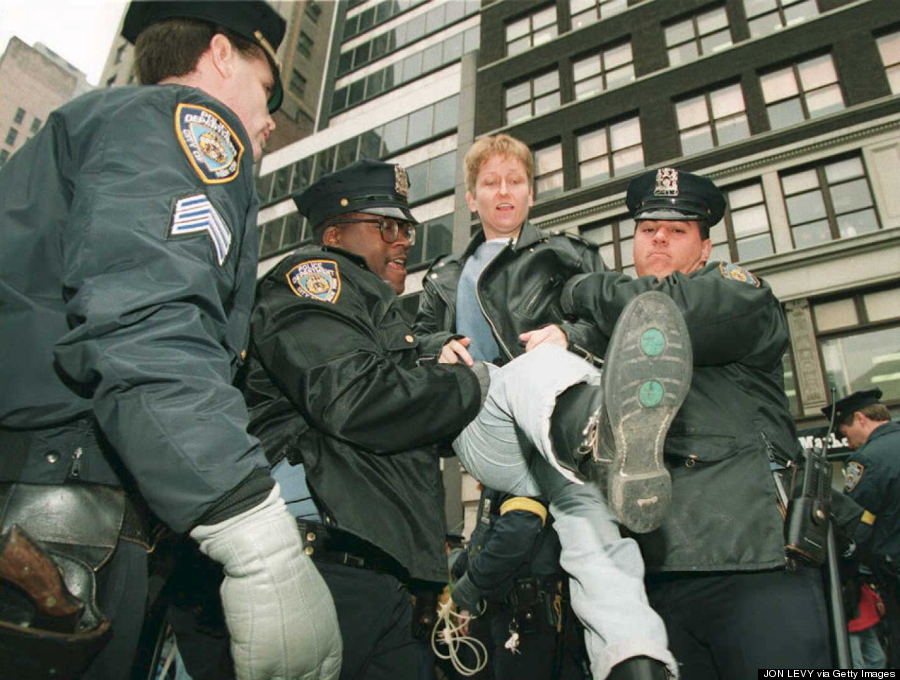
865	649
508	447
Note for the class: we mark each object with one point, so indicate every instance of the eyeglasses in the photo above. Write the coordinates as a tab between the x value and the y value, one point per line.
390	229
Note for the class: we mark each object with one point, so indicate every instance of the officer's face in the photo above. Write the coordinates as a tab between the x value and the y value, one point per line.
246	91
662	247
854	431
502	196
386	260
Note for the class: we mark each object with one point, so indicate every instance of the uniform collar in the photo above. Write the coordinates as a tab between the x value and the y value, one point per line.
882	430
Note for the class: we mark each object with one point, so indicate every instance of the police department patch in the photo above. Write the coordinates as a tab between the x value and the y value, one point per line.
316	279
852	475
732	271
212	147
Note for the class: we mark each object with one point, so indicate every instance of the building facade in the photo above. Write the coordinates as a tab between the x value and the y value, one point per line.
34	81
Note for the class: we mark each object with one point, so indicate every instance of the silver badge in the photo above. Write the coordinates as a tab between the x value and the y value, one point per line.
401	181
666	182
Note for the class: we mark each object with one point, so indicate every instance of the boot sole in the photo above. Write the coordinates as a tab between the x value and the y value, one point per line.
647	375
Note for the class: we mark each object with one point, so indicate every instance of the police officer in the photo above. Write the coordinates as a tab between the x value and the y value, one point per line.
351	418
873	480
717	563
128	269
512	564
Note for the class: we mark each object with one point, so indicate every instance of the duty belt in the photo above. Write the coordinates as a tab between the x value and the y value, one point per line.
328	545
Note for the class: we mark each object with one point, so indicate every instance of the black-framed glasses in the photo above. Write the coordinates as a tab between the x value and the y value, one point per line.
390	229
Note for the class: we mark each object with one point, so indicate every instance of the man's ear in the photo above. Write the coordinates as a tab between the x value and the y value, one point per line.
470	201
331	236
705	249
222	53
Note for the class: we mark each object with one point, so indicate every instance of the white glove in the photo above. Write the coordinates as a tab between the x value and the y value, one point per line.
279	612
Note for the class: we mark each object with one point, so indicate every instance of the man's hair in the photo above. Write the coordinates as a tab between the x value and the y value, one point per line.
877	412
171	48
497	145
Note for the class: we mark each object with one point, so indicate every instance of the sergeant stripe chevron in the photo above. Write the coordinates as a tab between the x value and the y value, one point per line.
195	214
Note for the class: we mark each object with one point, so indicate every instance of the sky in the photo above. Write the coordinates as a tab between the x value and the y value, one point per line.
80	31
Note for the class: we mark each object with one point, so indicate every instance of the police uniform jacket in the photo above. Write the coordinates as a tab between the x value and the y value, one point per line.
513	539
335	383
518	291
873	481
724	514
126	281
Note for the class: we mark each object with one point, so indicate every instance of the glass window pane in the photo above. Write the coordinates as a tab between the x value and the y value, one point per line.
764	25
395	135
516	94
696	140
418	181
621	76
811	234
817	72
754	247
548	159
800	12
545	17
601	234
442	172
854	224
594	171
518	113
626	133
884	304
357	91
431	58
715	42
576	6
434	19
628	160
518	46
805	207
516	29
835	172
546	83
446	114
545	104
420	125
799	181
863	361
778	85
589	88
616	56
683	54
453	48
440	237
626	248
549	185
592	144
691	112
727	101
370	144
411	67
851	195
787	112
835	314
754	7
544	35
679	33
749	221
889	46
825	101
748	195
732	129
711	21
584	68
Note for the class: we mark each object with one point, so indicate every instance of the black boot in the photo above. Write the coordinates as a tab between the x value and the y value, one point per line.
620	430
639	668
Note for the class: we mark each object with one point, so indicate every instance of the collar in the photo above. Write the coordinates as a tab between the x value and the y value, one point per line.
529	235
882	430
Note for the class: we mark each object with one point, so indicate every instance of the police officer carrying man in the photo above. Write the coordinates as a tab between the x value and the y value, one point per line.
873	480
345	410
716	565
128	270
512	564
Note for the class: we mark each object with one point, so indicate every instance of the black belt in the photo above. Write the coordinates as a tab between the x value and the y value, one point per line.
328	545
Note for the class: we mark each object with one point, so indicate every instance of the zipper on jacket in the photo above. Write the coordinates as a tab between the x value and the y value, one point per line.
776	468
75	470
503	346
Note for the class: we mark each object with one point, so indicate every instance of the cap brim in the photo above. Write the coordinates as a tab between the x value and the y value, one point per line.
390	211
665	214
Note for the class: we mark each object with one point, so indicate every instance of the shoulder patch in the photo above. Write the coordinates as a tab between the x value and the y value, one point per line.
732	271
316	279
195	214
211	146
853	475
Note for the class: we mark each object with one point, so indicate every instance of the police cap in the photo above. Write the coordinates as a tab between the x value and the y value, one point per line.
367	186
670	194
254	20
845	407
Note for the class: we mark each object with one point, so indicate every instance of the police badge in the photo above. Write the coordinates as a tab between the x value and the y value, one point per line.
316	279
732	271
401	181
666	182
211	146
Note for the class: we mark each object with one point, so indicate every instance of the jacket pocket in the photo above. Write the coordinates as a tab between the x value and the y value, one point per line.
701	447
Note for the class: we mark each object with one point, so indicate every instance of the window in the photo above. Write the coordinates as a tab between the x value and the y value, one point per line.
11	136
532	97
701	34
433	238
298	83
19	117
304	44
120	52
36	125
747	229
282	233
313	10
531	31
768	16
111	80
829	201
859	339
616	241
609	68
586	12
712	119
431	177
4	156
889	47
548	171
804	90
609	151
